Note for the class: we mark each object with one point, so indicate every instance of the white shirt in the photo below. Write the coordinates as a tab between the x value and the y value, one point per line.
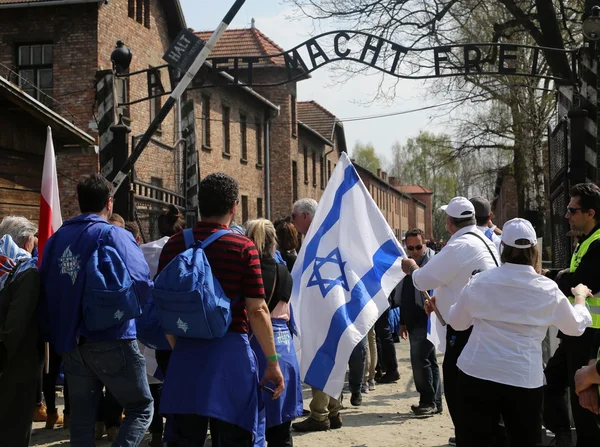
511	308
451	268
495	238
151	252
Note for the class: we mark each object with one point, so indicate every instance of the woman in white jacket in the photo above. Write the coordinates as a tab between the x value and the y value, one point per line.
510	308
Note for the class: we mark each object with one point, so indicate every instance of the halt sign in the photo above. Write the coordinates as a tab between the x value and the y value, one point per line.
184	50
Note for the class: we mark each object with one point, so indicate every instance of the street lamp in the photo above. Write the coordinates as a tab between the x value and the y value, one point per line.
121	58
591	25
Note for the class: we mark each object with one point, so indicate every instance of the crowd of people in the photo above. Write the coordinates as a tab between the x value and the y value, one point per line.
485	287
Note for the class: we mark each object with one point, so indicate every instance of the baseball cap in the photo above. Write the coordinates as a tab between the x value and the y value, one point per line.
519	233
482	206
459	208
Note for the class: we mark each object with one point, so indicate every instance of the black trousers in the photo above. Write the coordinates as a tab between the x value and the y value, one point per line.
571	355
191	431
17	402
455	343
279	435
482	403
389	362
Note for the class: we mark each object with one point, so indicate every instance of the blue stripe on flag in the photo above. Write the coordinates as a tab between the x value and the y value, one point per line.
350	179
370	284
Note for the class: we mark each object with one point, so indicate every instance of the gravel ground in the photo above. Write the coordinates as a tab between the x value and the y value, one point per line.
383	419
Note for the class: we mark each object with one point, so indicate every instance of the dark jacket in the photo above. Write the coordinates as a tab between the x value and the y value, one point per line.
19	328
283	288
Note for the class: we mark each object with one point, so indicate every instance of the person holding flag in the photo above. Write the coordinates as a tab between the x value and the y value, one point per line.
467	251
340	285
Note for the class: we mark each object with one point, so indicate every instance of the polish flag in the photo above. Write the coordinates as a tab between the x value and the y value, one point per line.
50	217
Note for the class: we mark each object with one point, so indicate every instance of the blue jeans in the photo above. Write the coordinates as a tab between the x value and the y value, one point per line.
357	362
426	371
121	368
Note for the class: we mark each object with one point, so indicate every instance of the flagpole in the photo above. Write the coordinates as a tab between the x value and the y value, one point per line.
175	95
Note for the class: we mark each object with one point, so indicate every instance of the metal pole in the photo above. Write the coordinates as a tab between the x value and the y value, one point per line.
176	94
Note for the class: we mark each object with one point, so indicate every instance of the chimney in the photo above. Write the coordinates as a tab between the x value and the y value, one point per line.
252	23
393	181
384	175
378	172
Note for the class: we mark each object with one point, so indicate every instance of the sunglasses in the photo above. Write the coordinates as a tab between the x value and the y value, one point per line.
572	211
414	247
294	215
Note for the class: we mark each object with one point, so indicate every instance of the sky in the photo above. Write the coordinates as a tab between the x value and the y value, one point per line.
276	20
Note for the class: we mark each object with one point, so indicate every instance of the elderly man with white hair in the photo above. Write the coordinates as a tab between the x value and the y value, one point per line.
21	348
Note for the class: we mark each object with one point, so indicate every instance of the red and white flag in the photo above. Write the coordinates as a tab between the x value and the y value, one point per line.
50	217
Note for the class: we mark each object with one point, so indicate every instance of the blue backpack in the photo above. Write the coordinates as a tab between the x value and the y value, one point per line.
191	301
109	294
149	328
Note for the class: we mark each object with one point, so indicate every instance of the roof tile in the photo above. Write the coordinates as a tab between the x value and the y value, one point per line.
245	42
317	118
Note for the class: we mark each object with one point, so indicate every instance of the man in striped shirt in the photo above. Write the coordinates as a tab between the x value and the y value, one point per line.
217	379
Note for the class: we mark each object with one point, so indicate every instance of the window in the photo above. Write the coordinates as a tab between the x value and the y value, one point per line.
314	168
155	103
139	10
259	207
293	113
244	209
205	121
294	181
226	135
244	136
305	164
35	71
259	154
322	172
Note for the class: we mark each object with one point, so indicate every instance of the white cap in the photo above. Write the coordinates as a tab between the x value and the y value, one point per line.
519	233
459	208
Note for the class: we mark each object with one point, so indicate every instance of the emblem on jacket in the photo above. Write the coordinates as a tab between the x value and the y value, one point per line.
69	264
118	315
182	325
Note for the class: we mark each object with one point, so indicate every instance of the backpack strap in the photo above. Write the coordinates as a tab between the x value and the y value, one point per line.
103	239
486	246
188	237
213	237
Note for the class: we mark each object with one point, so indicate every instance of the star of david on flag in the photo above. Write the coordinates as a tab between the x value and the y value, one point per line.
349	264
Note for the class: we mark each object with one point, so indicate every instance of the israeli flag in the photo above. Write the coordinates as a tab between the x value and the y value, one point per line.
349	264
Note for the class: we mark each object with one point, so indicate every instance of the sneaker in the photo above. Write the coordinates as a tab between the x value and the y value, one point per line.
452	441
439	410
364	388
356	399
335	422
371	384
53	419
310	424
99	430
346	389
389	378
39	413
112	433
424	410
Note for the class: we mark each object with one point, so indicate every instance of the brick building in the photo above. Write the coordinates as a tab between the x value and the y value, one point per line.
23	124
279	149
419	217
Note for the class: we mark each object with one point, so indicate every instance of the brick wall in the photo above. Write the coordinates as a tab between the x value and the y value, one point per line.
427	227
248	172
147	45
506	205
72	31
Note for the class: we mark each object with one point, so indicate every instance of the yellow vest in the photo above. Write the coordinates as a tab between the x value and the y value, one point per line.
593	303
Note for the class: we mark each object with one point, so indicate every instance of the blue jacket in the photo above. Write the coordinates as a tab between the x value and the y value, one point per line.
63	277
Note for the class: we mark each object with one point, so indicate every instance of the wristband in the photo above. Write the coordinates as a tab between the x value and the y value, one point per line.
581	294
412	268
274	358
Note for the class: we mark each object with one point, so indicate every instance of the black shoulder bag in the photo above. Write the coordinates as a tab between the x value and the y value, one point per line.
486	246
